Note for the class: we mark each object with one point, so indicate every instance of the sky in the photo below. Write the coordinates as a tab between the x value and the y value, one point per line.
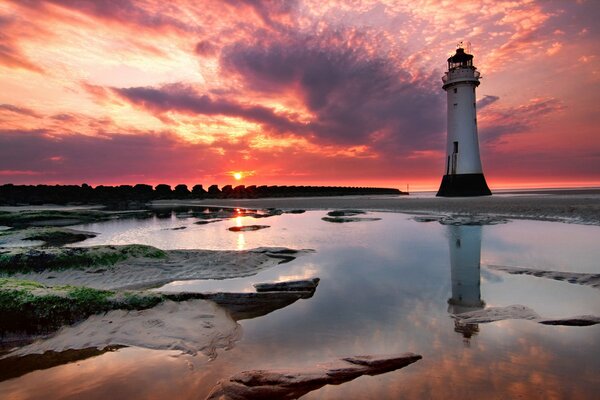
310	92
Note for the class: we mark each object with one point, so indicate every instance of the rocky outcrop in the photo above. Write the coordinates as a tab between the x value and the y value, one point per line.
291	384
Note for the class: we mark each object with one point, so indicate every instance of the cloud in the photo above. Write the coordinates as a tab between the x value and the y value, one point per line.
126	12
352	94
11	54
182	98
19	110
205	48
497	123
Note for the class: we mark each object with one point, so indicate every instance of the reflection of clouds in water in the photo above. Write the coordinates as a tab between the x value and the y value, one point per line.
310	270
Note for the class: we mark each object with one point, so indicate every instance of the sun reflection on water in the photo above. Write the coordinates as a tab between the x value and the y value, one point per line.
241	241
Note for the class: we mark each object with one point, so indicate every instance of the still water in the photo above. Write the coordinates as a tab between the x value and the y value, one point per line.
387	286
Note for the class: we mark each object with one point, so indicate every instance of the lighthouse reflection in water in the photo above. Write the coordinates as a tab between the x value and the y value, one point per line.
465	255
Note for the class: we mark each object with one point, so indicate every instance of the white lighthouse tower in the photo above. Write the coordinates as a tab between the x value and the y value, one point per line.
463	173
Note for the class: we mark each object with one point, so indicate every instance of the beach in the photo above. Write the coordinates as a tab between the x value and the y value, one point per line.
221	296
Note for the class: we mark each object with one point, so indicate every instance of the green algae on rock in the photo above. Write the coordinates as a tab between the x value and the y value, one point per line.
24	260
27	306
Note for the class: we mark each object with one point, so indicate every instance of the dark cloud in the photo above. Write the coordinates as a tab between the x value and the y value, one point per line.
205	48
486	101
269	11
63	117
116	157
19	110
353	95
184	99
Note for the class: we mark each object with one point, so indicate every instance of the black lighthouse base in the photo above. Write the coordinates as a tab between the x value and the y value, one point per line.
463	185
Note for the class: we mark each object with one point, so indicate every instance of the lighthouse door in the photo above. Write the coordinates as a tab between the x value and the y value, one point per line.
454	158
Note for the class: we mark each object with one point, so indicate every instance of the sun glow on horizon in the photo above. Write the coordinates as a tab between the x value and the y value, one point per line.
237	176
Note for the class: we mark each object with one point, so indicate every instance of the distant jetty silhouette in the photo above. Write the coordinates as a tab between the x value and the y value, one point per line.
62	194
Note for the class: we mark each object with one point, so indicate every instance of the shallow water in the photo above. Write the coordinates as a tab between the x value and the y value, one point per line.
385	288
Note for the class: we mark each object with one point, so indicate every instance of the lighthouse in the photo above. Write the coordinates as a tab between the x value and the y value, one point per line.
463	173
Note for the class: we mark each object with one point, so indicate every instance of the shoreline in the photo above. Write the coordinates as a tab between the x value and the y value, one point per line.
579	207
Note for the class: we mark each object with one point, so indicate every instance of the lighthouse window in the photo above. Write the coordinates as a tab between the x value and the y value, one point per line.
455	90
455	147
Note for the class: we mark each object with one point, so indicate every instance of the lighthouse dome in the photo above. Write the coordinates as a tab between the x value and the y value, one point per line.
460	59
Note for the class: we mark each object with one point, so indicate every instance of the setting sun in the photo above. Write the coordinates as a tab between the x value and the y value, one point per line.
237	176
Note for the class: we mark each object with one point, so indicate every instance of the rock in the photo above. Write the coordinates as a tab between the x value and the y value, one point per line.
249	305
248	228
583	320
431	218
207	221
467	219
340	220
305	285
295	211
345	213
291	384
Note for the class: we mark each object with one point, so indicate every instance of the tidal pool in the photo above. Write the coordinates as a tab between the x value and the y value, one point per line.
387	286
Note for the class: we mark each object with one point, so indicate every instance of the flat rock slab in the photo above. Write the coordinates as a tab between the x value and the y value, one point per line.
345	213
288	286
341	220
207	221
248	228
291	384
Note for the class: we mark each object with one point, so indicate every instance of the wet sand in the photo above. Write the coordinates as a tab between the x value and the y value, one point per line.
572	206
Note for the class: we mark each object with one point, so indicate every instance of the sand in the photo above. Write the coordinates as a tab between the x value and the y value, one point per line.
581	207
